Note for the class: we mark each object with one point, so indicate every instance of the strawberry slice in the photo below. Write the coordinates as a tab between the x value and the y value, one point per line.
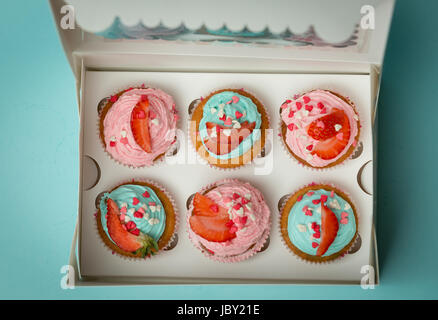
215	229
209	220
227	139
140	125
329	227
204	206
332	142
125	240
122	238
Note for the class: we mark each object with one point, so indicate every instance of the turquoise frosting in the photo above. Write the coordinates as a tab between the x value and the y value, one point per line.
302	240
244	106
124	195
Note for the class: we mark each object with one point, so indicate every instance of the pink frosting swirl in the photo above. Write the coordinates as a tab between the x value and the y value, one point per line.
250	236
119	140
320	103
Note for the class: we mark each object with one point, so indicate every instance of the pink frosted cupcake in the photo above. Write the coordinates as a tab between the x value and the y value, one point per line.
229	220
320	128
138	125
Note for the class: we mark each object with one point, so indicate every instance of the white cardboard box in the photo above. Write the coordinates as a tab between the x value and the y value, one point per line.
273	72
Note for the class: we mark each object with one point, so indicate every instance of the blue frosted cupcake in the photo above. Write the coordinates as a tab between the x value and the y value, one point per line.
318	223
136	219
228	128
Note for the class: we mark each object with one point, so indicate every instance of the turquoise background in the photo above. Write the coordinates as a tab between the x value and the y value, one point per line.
39	166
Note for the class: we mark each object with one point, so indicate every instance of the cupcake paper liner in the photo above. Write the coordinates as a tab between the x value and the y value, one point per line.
159	160
285	147
204	161
176	224
237	258
346	249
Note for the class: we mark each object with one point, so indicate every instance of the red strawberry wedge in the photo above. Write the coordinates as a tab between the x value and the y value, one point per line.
140	125
209	220
331	142
329	227
204	206
227	138
122	238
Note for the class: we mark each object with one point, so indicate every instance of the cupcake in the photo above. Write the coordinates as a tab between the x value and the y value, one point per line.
320	129
318	223
227	128
229	220
137	126
136	219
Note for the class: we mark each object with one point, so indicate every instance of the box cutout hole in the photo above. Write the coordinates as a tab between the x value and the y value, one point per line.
98	198
266	149
174	148
364	177
189	201
266	245
193	105
282	200
102	104
172	244
90	174
356	245
358	151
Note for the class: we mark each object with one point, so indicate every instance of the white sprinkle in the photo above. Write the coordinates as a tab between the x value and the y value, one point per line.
237	125
152	208
230	213
227	132
248	206
124	204
144	206
158	208
127	218
347	206
243	229
248	196
221	106
113	139
221	113
252	217
338	127
229	204
131	211
240	211
309	225
301	228
151	221
156	221
213	110
123	133
334	204
146	216
155	121
213	133
318	209
355	117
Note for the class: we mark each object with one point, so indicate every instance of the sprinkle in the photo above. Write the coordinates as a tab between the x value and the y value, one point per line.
221	106
305	113
318	209
344	221
158	208
138	214
237	125
324	198
113	98
130	225
135	201
306	99
298	116
146	216
229	223
248	206
340	136
299	105
152	208
240	211
300	198
122	217
347	206
227	132
248	196
320	124
309	213
144	97
146	194
314	244
135	232
123	133
242	220
309	147
228	121
332	194
291	126
244	229
301	228
233	229
152	203
237	206
245	201
235	99
320	105
112	143
221	115
305	208
308	107
291	113
323	110
310	193
334	204
123	210
355	117
155	122
151	221
141	210
124	140
213	110
131	211
317	235
288	101
316	201
236	196
239	115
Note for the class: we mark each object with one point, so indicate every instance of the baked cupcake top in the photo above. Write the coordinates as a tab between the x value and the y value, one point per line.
139	126
321	223
321	127
140	214
229	219
230	125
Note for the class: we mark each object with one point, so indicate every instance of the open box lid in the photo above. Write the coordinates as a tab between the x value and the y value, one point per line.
349	31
